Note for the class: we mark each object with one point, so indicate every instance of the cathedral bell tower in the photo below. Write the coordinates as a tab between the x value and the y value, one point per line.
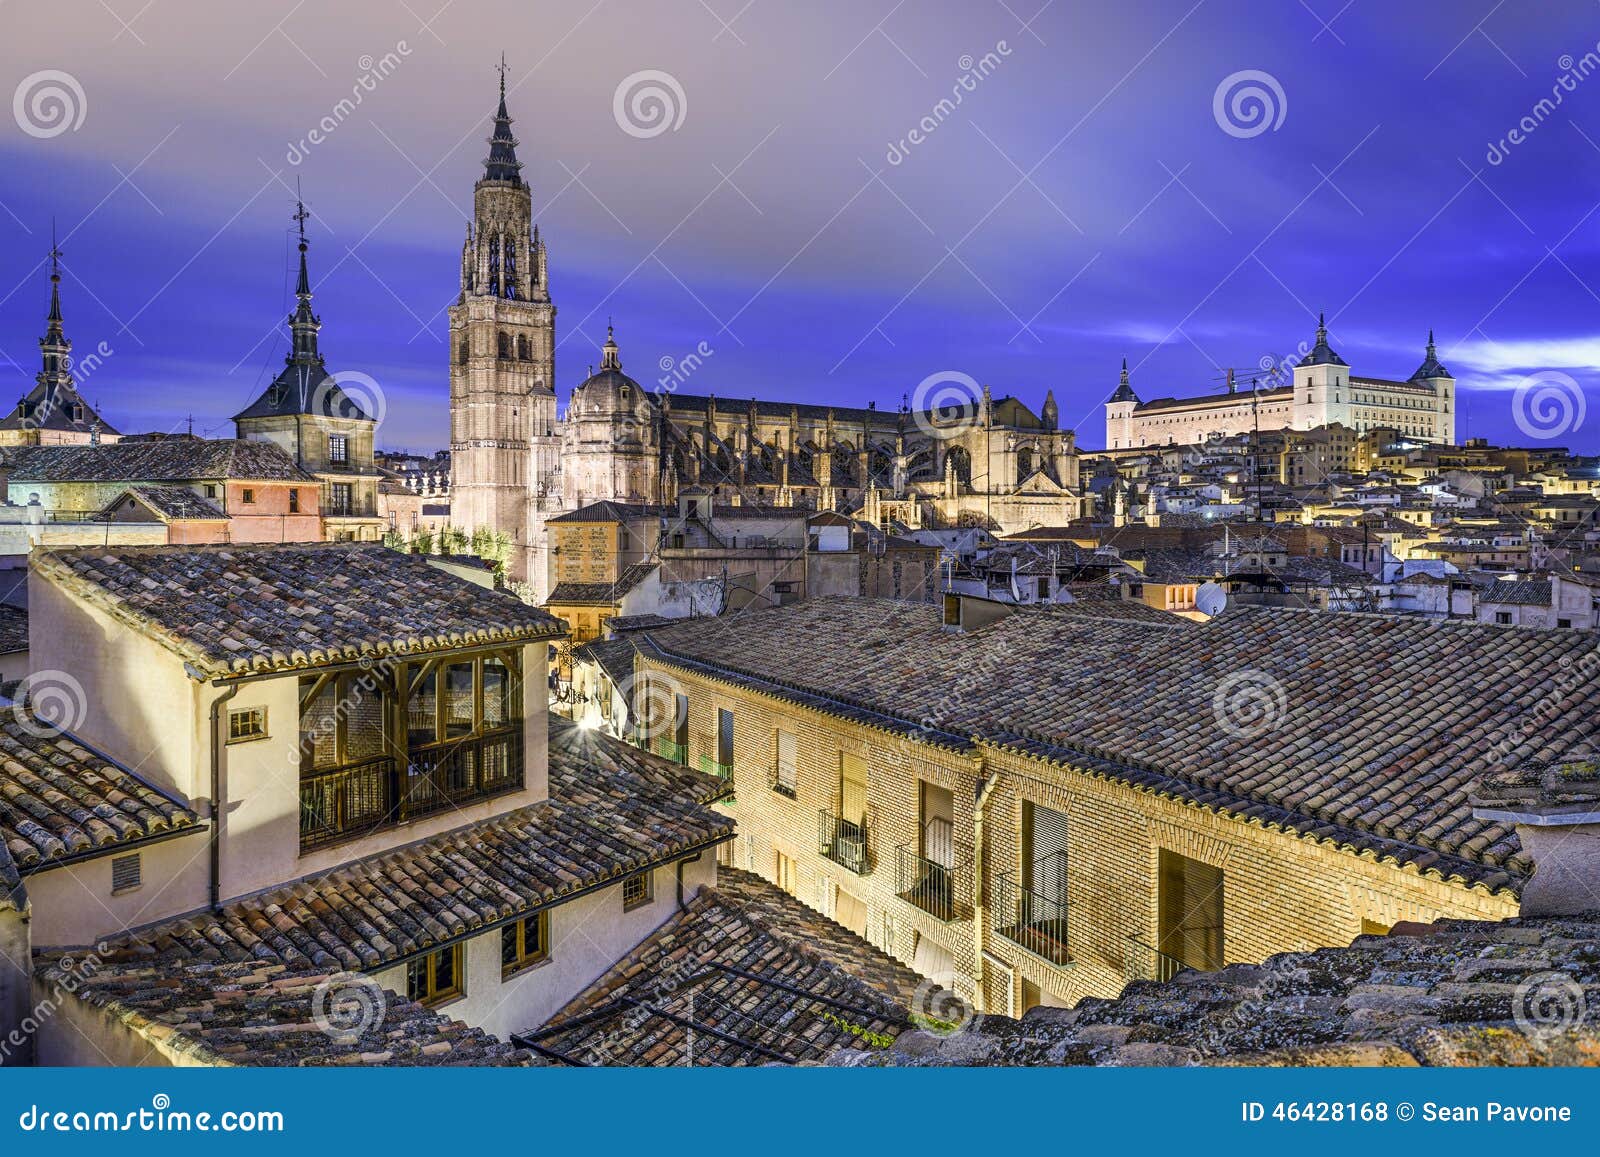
505	451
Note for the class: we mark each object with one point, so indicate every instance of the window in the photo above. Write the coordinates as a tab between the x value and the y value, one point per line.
127	873
785	771
294	501
247	495
637	889
1190	905
247	723
340	494
1503	618
436	977
1563	623
525	943
338	450
853	790
725	738
787	874
211	490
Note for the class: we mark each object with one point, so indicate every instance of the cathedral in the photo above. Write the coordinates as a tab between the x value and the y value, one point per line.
517	461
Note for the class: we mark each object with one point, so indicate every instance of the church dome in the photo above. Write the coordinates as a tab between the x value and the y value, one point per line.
609	389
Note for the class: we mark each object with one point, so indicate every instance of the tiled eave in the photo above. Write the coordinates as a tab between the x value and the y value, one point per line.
281	660
840	708
1426	862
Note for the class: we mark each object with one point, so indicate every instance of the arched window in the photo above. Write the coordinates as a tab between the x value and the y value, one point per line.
524	351
511	268
462	356
1024	464
958	457
505	345
494	265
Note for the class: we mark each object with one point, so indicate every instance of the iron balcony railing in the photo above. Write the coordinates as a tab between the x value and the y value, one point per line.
345	802
1144	962
942	888
712	767
1033	919
843	841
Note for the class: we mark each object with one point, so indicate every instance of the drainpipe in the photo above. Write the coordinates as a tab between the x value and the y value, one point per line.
678	870
217	804
980	891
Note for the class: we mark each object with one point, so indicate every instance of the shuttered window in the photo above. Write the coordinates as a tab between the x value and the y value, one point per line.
1044	851
787	759
1191	910
852	789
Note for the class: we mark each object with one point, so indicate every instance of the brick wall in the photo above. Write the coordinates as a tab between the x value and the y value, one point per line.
1281	893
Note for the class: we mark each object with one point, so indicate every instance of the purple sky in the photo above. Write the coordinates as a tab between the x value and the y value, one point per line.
1083	202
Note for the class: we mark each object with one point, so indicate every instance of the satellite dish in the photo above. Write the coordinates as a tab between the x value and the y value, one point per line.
1210	599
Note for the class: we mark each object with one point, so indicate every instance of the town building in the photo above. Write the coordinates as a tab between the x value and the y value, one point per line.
197	489
325	431
345	776
1323	393
1034	805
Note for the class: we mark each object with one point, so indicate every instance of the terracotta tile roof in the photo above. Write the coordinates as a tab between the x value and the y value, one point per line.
608	511
775	979
231	609
264	1013
13	629
614	656
171	503
600	594
1456	993
1518	592
59	800
1372	733
166	460
613	810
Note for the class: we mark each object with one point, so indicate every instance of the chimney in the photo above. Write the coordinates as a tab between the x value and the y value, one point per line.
1556	809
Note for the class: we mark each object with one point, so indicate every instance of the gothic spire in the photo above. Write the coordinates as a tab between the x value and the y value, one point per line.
303	324
502	163
56	369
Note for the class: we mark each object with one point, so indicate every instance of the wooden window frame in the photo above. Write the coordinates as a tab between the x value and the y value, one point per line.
253	735
646	882
517	932
433	996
